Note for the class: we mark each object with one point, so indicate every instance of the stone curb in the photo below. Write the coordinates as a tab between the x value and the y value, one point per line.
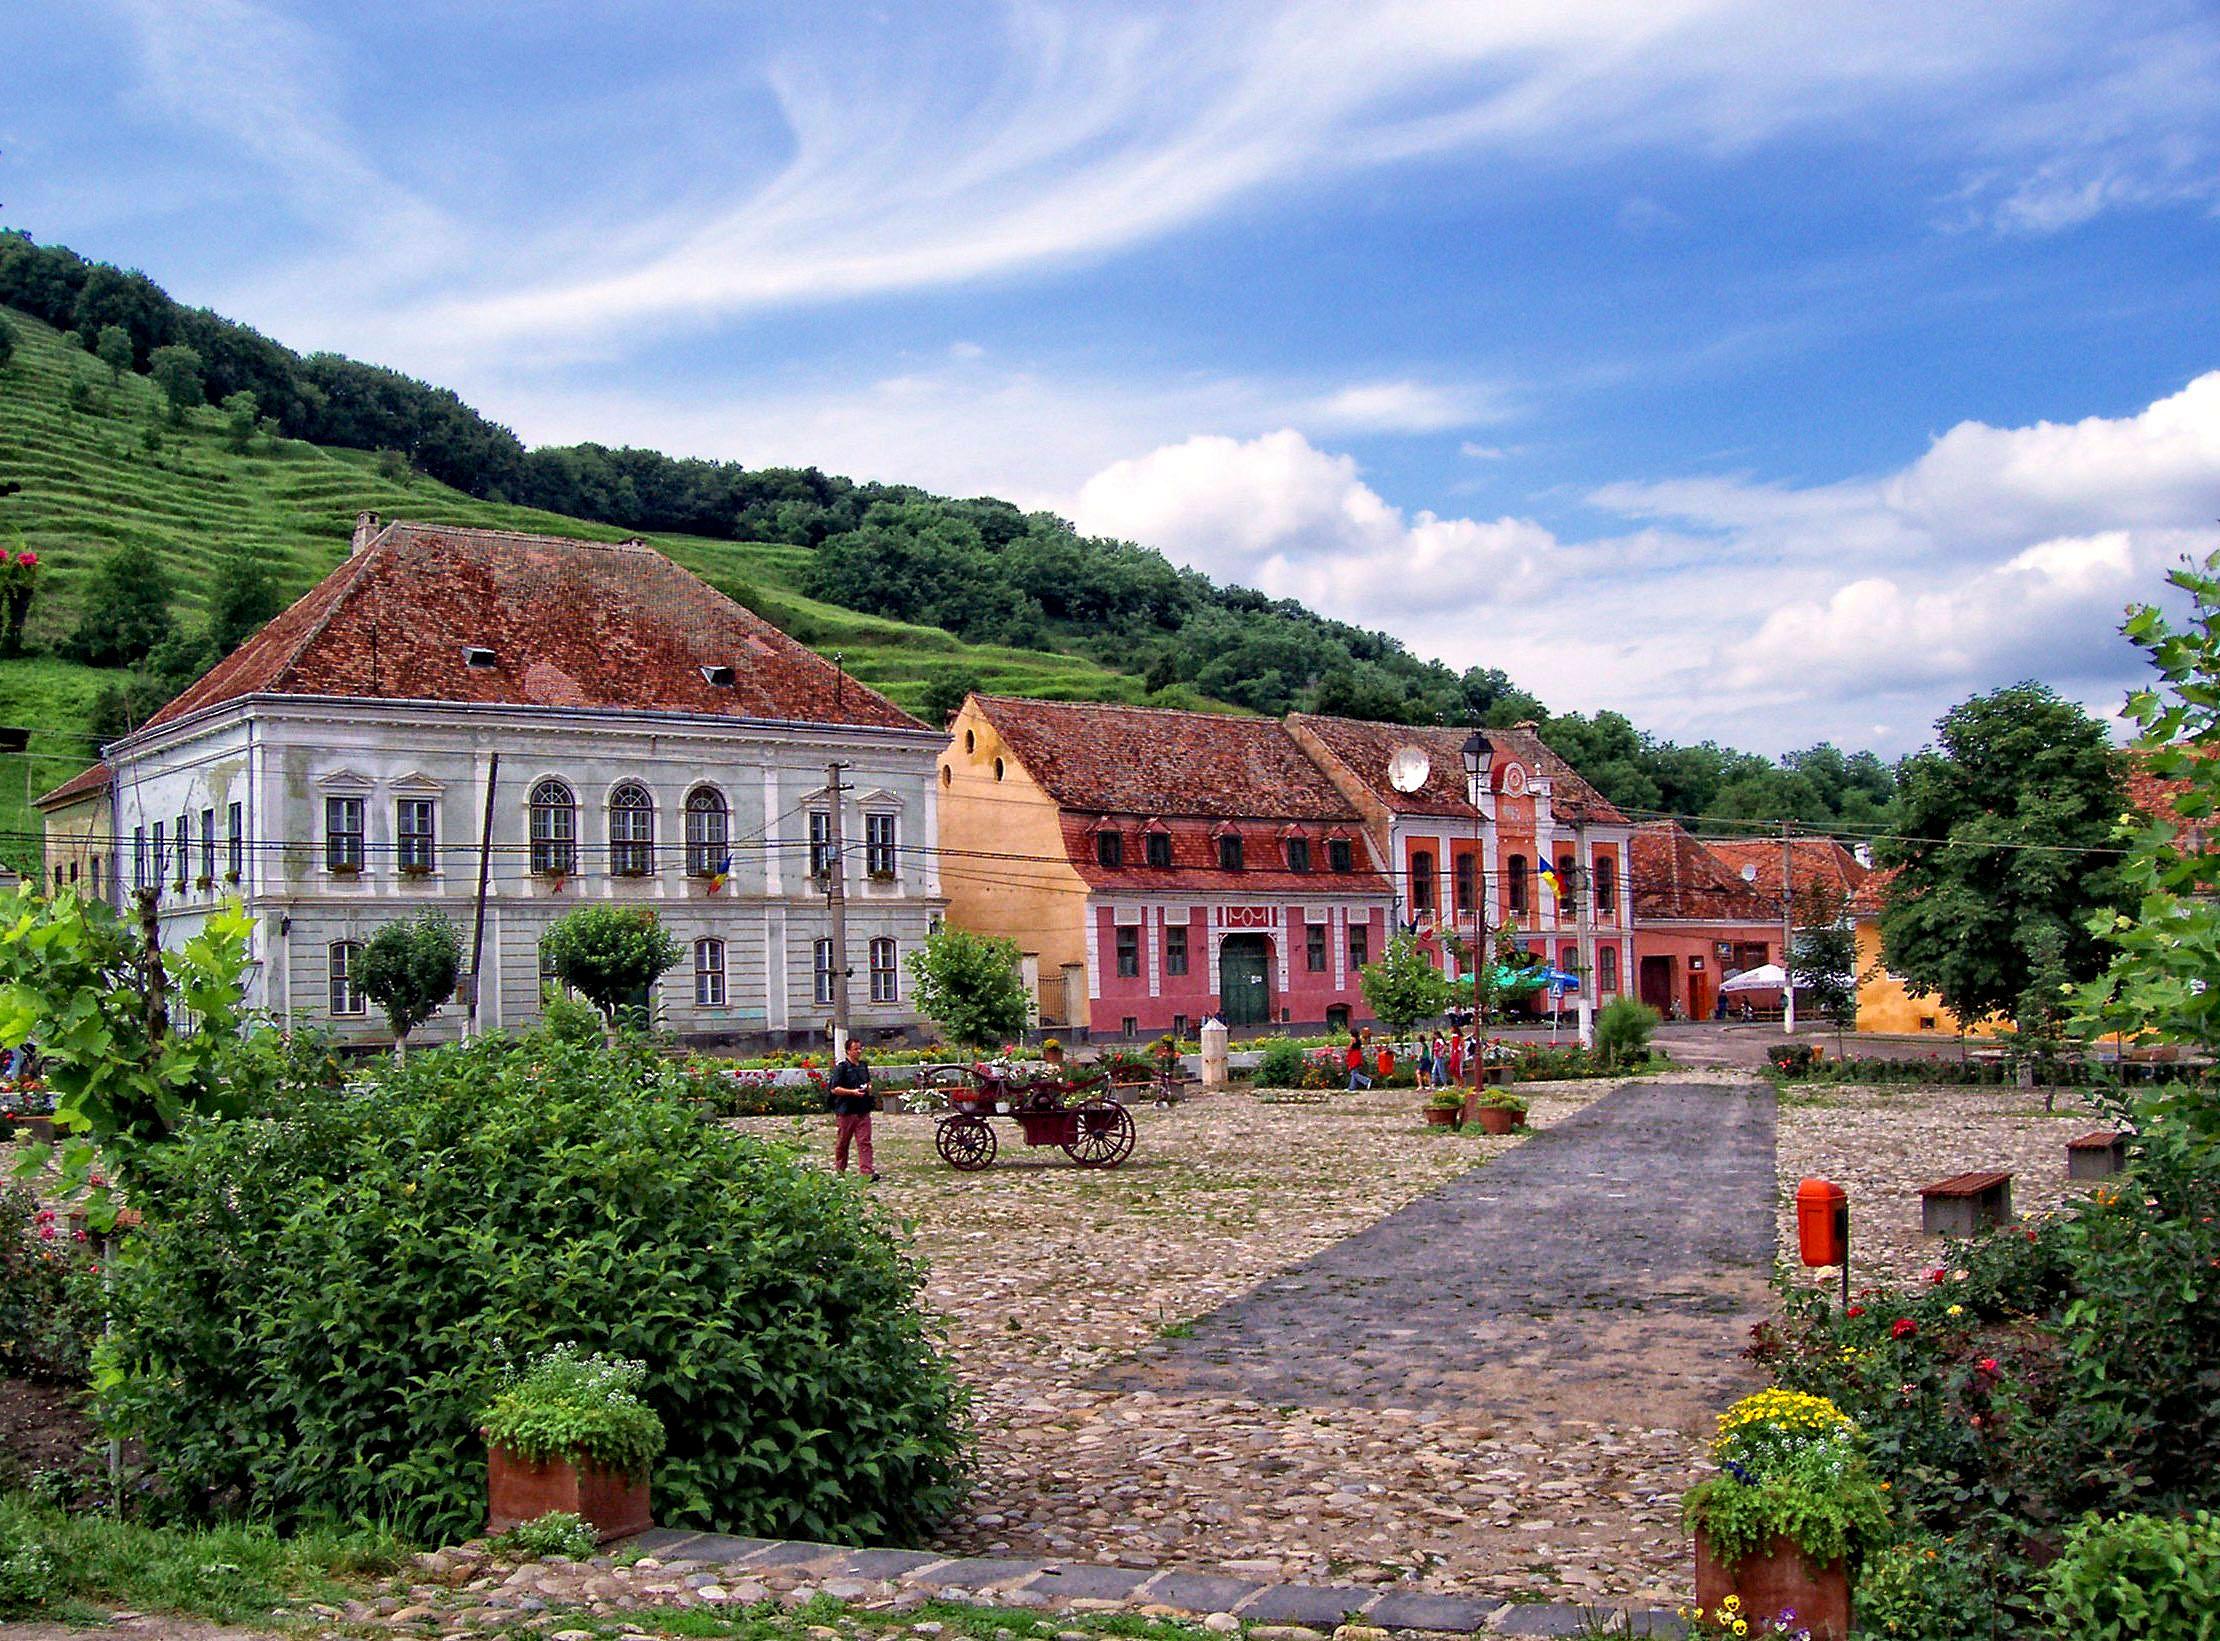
1098	1587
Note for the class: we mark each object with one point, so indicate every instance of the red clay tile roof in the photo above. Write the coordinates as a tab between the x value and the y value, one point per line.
1675	876
1873	893
1118	760
77	786
570	623
1821	865
1365	748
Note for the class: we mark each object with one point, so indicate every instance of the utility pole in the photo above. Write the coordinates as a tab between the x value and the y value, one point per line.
1583	896
836	908
1788	933
478	919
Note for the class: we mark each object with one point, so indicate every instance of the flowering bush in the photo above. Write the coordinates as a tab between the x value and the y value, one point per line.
19	581
568	1403
1925	1587
49	1291
1789	1465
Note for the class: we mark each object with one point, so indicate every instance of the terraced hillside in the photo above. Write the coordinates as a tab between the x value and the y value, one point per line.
100	465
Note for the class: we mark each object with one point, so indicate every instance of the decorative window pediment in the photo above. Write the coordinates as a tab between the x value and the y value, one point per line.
418	784
877	798
348	781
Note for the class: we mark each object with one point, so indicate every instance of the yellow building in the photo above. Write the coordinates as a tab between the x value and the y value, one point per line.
1886	1006
80	826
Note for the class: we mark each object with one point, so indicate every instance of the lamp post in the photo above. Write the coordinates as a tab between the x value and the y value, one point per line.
1479	755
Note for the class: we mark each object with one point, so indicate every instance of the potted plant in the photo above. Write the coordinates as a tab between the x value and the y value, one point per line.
1445	1110
1052	1051
1794	1501
1496	1110
572	1434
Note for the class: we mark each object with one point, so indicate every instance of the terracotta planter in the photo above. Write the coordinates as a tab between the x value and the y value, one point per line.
35	1128
1780	1580
1495	1120
517	1491
1438	1117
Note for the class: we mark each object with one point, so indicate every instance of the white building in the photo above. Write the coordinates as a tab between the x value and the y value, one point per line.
611	728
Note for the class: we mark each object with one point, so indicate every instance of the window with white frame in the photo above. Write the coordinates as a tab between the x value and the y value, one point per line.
161	852
342	834
554	828
631	831
878	845
184	846
820	843
885	977
235	840
414	828
708	832
346	981
208	845
822	966
709	974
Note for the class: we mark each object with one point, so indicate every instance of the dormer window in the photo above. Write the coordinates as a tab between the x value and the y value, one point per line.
1156	848
1298	854
478	657
1110	849
1339	856
1229	852
717	677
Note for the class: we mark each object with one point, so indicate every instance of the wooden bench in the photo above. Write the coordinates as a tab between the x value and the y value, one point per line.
2096	1156
1965	1204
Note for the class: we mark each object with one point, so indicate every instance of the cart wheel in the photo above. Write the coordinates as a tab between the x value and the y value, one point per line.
965	1143
1105	1136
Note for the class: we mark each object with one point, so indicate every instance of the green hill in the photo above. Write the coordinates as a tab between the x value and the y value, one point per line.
100	466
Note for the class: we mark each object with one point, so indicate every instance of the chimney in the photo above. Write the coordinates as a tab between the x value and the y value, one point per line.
1864	855
1528	725
366	530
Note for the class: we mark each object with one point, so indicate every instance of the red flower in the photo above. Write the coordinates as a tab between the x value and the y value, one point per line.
1903	1328
29	560
1855	1310
1987	1364
1935	1275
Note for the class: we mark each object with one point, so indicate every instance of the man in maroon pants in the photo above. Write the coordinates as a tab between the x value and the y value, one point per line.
852	1102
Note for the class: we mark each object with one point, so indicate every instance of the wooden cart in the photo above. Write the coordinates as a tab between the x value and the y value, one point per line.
1073	1113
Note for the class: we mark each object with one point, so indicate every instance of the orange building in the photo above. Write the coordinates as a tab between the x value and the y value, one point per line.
1466	857
1697	922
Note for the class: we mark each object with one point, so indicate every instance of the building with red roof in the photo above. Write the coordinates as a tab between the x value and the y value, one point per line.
613	728
1159	867
1698	921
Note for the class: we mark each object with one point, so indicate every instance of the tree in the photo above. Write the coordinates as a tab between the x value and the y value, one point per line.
176	370
1823	961
2005	830
241	412
244	598
114	350
1403	987
611	955
19	585
2163	944
945	694
7	343
972	986
126	610
409	969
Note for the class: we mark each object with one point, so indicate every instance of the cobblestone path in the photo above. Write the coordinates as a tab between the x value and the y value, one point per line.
1606	1270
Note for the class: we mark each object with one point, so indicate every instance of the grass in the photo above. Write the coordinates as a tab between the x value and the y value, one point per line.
114	471
230	1574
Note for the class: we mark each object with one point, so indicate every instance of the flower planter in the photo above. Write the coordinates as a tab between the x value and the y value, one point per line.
518	1490
1440	1117
1494	1119
40	1129
1782	1579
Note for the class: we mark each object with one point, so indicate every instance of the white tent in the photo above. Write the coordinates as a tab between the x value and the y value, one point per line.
1765	977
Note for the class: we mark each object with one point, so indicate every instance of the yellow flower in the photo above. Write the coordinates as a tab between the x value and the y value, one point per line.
1731	1605
1741	1626
1955	1310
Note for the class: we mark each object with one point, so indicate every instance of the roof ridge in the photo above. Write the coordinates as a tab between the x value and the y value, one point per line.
634	543
1131	706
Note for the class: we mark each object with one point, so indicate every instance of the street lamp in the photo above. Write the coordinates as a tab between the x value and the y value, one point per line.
1479	754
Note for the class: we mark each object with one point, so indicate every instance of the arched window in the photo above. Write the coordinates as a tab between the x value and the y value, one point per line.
1468	879
1607	886
708	832
885	977
631	831
1567	878
554	828
346	977
1515	872
1422	880
1607	968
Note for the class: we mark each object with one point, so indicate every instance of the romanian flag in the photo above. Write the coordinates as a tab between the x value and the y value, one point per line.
1548	875
718	877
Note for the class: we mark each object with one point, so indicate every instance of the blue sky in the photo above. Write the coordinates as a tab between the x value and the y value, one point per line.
1766	372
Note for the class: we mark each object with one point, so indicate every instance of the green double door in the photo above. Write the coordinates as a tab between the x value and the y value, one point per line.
1244	983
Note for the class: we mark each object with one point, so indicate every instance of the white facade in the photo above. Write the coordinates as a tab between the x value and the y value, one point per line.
313	813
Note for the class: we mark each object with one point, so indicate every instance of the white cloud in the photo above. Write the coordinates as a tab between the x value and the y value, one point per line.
1762	614
1399	407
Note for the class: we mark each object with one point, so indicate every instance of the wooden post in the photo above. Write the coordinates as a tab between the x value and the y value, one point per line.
485	868
836	907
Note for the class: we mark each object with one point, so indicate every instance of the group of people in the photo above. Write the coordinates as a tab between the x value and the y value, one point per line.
1440	1062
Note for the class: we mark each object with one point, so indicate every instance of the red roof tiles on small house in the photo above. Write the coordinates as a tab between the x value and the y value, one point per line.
1675	877
1821	865
1365	747
1144	761
82	784
428	612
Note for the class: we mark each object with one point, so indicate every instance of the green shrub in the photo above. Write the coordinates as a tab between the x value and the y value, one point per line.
28	1578
567	1403
1924	1589
1623	1031
2148	1577
558	1533
323	1298
1281	1065
49	1310
568	1020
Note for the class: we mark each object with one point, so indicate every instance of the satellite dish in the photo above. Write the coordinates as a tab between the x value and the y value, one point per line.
1408	769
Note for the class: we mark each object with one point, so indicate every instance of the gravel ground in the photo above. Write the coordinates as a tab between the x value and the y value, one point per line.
1050	1276
1881	1143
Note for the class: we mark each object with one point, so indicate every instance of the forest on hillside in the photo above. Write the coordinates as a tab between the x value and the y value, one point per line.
981	568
